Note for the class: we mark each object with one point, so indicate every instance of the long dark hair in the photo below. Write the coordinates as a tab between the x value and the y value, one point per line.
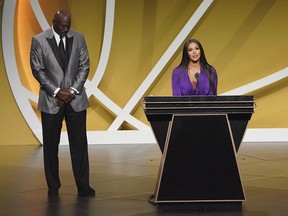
203	61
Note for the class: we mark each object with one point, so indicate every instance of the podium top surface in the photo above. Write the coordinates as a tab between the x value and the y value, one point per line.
198	104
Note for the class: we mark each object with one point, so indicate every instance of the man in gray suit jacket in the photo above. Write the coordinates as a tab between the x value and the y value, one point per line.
60	63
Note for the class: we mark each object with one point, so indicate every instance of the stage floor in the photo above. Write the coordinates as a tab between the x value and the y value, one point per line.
124	176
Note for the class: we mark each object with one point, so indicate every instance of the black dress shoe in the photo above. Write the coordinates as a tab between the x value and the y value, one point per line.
53	192
85	193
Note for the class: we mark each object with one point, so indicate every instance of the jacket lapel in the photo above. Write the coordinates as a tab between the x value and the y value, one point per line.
53	45
69	43
54	48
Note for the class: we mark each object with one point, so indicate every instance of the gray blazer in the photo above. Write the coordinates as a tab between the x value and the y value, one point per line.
46	68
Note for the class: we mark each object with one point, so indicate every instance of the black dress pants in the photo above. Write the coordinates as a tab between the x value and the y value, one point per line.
76	128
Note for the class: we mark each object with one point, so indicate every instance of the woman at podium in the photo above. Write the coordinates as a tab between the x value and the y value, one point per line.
194	75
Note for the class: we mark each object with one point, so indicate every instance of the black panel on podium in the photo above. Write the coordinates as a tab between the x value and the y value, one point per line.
199	138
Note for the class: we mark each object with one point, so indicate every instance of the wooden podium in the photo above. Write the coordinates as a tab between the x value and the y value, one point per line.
199	137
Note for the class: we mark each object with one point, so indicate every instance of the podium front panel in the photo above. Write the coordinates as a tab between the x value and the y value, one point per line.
199	161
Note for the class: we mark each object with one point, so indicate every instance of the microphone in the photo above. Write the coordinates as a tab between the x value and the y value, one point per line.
196	75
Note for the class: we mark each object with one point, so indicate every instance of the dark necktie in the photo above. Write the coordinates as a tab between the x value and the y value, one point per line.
62	54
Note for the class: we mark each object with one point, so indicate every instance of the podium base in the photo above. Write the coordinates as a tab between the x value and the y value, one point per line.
196	206
151	200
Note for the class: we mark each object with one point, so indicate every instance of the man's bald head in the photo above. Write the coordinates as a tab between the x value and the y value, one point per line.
62	22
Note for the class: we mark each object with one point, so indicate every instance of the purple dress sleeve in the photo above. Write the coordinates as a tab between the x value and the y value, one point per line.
181	84
177	78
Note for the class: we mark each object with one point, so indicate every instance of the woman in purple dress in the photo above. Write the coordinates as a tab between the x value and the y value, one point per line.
194	76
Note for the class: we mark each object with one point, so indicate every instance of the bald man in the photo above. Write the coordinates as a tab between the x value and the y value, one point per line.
60	63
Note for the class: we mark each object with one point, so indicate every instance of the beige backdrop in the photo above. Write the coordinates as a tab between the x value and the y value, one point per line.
245	40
